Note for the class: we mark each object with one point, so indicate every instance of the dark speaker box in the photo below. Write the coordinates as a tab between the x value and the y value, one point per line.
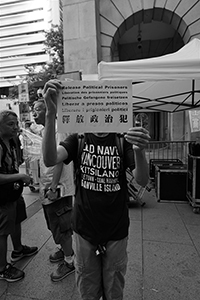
171	183
162	162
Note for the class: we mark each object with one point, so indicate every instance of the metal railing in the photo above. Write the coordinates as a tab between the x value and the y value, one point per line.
168	150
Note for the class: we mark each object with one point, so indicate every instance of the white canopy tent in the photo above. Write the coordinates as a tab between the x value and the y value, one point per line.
167	83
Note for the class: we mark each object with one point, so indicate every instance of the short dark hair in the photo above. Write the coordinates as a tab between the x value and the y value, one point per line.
6	113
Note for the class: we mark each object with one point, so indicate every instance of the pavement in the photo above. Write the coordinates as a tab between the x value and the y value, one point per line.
163	250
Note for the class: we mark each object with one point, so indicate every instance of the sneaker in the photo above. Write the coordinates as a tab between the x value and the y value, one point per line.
11	274
26	251
57	256
63	270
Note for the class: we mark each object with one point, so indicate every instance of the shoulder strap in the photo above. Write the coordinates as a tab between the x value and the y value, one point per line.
4	152
120	143
4	164
120	146
81	141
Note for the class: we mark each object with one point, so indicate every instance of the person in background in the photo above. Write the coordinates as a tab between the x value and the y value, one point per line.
56	193
32	167
27	125
33	127
100	214
11	213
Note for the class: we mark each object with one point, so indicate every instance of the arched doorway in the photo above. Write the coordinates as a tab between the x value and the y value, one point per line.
146	33
108	31
146	40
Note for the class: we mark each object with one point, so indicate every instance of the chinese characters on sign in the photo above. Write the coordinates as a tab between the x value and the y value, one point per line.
194	116
23	101
95	106
24	111
23	92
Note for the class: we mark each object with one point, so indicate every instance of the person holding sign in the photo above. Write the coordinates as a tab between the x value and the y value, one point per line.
100	216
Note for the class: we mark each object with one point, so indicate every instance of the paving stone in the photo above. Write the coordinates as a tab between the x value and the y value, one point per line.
163	255
171	271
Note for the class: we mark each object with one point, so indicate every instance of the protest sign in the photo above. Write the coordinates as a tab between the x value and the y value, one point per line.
194	117
95	106
24	111
23	92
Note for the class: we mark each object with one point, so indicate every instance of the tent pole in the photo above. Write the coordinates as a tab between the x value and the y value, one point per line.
193	87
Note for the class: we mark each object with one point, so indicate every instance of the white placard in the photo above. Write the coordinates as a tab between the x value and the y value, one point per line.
194	116
24	111
95	106
23	92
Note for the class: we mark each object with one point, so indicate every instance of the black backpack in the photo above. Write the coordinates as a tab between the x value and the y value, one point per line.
9	192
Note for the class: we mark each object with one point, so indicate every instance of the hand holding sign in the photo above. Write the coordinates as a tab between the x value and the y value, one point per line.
95	106
90	106
51	92
138	137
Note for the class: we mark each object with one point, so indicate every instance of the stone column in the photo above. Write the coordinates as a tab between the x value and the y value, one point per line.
81	35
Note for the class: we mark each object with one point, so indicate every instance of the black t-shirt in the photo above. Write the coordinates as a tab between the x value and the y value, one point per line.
100	210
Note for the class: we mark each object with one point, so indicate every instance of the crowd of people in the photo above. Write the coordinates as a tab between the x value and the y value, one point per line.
81	200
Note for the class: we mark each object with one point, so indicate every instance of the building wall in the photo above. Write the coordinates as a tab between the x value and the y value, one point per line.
117	17
81	35
93	30
22	26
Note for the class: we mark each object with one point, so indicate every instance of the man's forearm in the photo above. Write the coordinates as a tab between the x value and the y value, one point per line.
8	178
141	172
56	175
49	147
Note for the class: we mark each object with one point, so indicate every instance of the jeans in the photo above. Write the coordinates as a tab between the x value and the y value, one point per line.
101	275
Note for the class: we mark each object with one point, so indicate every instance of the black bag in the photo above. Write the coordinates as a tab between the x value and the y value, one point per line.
10	192
194	148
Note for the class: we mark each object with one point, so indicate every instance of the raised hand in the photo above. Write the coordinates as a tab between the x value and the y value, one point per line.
50	92
138	136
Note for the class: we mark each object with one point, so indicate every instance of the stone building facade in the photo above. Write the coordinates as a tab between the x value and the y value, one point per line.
114	30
